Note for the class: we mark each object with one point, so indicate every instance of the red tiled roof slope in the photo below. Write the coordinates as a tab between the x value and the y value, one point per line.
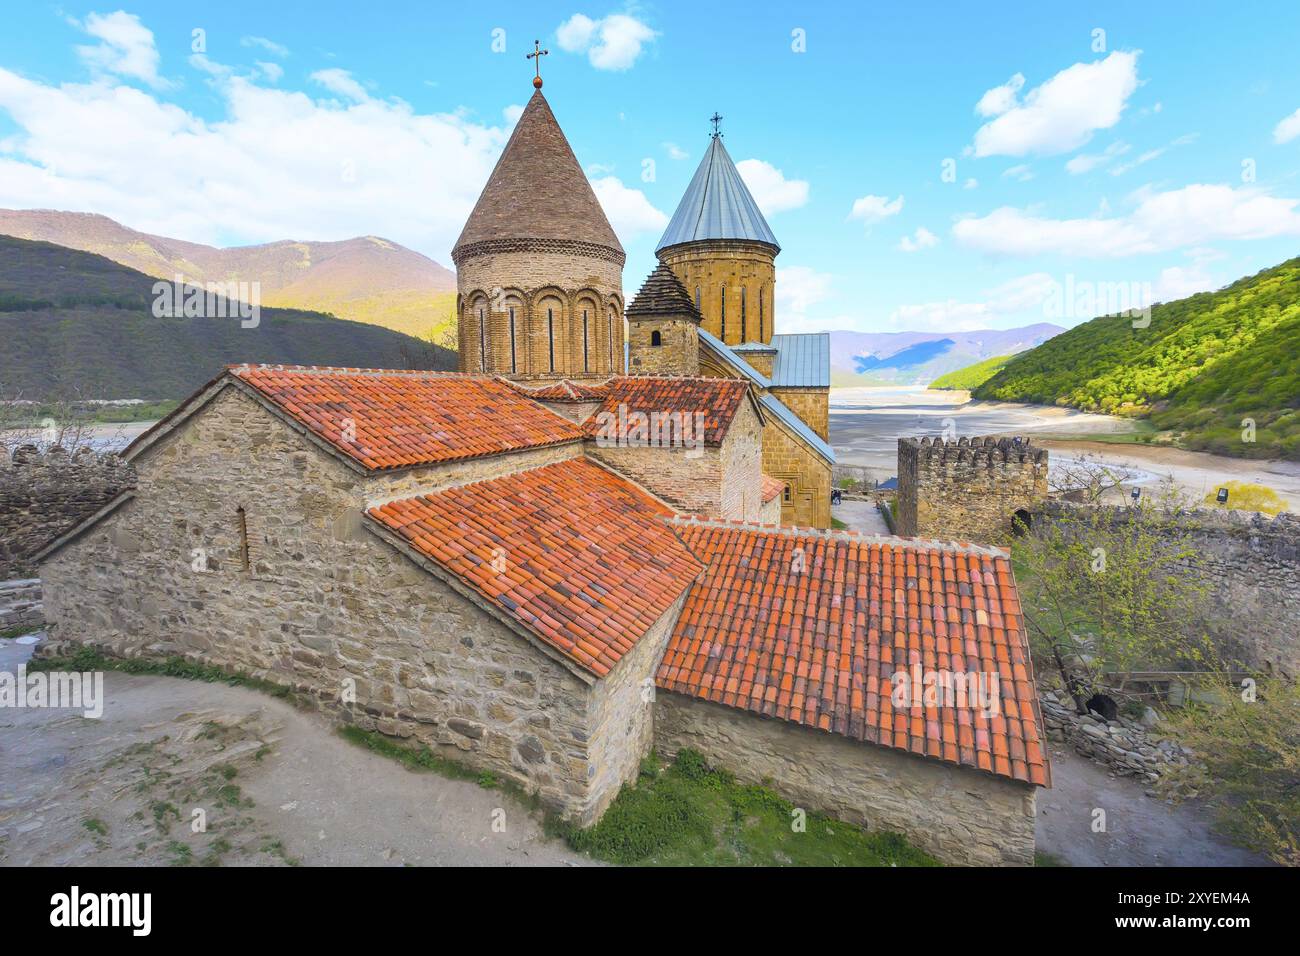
819	646
717	398
585	560
393	419
771	487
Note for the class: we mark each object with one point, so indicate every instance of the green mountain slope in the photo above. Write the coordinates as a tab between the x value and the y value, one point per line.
972	376
77	325
1201	367
366	279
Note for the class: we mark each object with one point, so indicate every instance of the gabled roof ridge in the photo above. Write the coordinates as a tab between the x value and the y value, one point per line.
352	370
832	534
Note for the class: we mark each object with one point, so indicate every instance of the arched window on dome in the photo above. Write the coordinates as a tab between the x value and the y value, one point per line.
742	313
586	358
656	339
760	314
482	341
514	361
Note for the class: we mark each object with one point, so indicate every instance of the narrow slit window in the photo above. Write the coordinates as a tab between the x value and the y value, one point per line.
611	340
514	365
724	314
586	358
242	518
656	339
482	342
550	335
742	313
760	315
697	297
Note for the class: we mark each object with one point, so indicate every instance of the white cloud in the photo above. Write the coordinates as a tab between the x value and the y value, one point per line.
1288	129
798	289
1178	282
772	191
1152	154
971	183
921	239
628	209
1086	162
611	43
270	46
675	152
512	113
1001	98
1060	115
341	82
1021	173
1001	306
126	47
1191	216
873	209
272	71
272	164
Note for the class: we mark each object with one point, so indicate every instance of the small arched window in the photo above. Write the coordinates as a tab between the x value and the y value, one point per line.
656	339
742	313
787	492
586	360
760	315
697	297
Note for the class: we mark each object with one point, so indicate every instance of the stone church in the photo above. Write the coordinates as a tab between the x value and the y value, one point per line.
497	564
540	298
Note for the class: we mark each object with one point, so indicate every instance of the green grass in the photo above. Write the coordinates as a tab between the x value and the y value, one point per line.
691	814
838	525
972	376
95	825
20	630
87	659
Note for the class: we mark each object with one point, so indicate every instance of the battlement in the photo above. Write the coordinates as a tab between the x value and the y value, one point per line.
976	450
972	489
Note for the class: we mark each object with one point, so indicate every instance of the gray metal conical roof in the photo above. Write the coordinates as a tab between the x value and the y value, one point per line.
717	205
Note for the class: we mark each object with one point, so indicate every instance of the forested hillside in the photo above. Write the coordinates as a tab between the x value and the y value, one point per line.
1203	366
80	326
972	376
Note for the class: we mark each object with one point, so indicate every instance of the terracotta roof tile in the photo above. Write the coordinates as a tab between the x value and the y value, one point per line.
386	418
717	399
583	558
771	487
812	627
565	390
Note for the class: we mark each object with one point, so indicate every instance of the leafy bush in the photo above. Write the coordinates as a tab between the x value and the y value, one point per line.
1243	496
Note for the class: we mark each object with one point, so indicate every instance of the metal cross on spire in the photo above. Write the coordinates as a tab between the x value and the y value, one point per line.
536	56
715	119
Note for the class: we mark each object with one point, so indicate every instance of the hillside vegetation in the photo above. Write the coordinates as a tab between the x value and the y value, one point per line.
1207	367
79	326
972	376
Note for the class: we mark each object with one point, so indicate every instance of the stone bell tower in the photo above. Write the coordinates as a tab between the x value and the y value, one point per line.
663	328
721	248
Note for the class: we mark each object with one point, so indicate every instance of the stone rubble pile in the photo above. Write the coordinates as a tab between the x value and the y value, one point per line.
1127	747
20	604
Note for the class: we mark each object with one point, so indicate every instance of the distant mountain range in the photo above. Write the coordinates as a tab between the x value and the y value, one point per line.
918	358
366	279
75	325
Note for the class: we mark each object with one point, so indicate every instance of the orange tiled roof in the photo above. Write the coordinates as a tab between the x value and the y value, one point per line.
386	418
771	487
717	398
565	390
819	647
588	563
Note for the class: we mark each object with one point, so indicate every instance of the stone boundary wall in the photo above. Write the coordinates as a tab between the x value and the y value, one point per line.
20	604
958	815
1125	746
967	489
43	494
1252	565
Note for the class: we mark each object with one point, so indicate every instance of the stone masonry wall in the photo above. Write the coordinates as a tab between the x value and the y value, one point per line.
1251	564
812	405
44	494
20	604
808	474
711	266
958	815
742	467
678	352
969	489
688	479
324	602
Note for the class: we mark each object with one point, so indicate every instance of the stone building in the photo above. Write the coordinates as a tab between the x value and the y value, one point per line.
444	557
972	489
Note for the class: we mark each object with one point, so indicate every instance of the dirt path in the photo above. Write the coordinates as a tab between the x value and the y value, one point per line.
1140	830
861	516
277	785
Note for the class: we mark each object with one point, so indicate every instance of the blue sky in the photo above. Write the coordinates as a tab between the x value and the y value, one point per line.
1157	158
